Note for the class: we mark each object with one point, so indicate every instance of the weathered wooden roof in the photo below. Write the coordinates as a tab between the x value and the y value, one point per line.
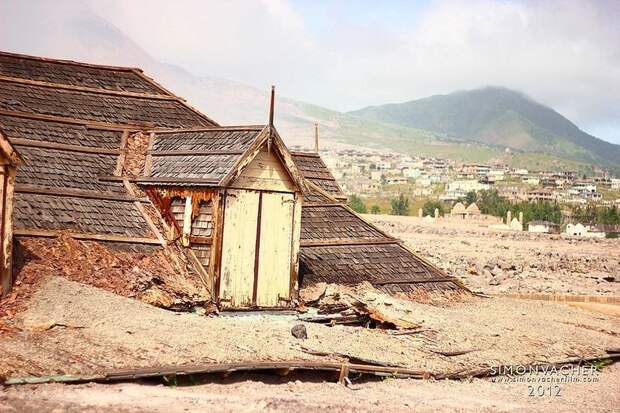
69	121
81	215
335	223
97	105
65	72
54	168
198	157
389	267
338	246
60	187
314	170
78	134
210	157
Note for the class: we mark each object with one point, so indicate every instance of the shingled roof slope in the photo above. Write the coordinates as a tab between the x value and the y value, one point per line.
78	134
338	246
65	72
96	106
314	170
213	156
55	168
204	156
70	122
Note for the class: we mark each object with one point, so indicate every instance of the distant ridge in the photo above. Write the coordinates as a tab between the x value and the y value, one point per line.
497	116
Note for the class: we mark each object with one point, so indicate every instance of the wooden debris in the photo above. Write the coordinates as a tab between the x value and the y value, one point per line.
157	275
362	305
452	353
407	332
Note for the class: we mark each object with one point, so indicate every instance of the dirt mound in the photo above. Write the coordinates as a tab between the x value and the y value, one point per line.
160	276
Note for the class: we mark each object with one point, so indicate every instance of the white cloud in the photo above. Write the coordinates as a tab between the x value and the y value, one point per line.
564	53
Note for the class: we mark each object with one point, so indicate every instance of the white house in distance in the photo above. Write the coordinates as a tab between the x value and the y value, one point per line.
544	227
580	230
467	185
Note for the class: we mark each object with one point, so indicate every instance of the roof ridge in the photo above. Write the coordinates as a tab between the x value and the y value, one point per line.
71	62
166	94
257	128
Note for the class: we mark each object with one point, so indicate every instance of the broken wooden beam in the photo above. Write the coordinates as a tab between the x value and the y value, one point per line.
301	365
23	232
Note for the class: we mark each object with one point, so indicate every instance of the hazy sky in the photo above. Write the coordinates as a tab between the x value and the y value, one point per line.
349	54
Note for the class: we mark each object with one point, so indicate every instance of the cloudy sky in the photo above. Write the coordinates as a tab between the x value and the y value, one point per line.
347	54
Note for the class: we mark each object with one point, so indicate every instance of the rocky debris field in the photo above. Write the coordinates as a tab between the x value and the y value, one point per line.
71	328
494	261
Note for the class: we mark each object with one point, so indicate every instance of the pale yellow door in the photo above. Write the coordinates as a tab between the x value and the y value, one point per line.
239	248
275	247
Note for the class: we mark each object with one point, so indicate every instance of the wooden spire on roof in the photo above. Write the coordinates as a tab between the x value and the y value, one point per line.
271	109
316	137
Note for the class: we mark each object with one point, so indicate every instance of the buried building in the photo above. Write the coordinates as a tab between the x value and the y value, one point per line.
234	196
112	157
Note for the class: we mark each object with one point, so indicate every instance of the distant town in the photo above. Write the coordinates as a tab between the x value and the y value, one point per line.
375	181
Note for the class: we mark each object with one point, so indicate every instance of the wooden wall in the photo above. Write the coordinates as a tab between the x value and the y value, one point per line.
265	172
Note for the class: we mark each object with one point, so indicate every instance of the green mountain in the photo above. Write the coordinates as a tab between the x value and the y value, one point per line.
498	117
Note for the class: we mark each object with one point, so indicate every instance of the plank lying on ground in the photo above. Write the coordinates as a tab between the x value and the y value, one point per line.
450	353
182	370
333	319
303	365
407	332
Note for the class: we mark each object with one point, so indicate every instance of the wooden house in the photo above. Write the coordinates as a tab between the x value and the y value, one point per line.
233	195
9	159
111	156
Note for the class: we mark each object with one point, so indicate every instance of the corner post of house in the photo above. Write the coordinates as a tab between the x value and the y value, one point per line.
187	221
218	236
295	246
6	270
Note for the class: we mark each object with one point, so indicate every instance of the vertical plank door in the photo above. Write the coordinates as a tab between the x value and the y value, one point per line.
274	252
238	248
